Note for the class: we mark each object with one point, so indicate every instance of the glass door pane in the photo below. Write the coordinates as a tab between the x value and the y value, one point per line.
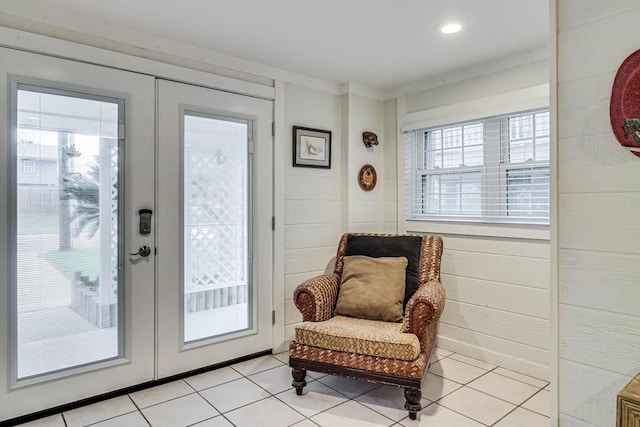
67	230
216	226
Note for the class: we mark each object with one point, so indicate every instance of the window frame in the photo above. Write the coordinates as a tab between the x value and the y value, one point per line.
29	166
529	98
494	171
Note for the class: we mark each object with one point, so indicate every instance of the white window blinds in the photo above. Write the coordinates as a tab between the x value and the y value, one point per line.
494	169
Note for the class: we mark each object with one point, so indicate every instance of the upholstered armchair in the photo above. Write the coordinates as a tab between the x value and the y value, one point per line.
374	318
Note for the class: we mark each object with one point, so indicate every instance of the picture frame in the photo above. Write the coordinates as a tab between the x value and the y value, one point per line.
311	147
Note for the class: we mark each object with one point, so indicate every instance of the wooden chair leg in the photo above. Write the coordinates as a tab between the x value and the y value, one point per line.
412	404
298	379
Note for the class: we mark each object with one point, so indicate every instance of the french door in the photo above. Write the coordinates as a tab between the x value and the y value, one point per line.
214	226
135	235
77	311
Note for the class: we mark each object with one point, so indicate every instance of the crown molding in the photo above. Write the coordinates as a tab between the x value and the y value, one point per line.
529	56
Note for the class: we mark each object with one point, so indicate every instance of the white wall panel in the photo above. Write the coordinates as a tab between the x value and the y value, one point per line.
594	337
506	80
498	246
585	160
366	227
587	96
367	211
608	281
599	343
518	357
312	235
388	144
291	313
567	421
507	297
578	13
532	272
365	208
604	222
589	393
576	47
314	211
314	202
289	332
513	327
306	186
293	280
309	259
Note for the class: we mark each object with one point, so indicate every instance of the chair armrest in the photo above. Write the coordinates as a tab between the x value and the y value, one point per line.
423	311
316	297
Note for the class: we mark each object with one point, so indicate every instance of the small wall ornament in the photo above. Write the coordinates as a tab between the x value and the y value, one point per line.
624	110
367	177
369	139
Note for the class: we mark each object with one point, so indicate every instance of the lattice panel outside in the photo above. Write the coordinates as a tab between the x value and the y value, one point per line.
114	219
215	221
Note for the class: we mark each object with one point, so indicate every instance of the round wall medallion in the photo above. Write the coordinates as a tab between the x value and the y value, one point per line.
624	110
367	177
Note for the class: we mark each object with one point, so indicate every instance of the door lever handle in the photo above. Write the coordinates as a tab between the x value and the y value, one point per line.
144	251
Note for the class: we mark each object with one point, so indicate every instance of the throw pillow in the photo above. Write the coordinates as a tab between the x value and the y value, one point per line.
391	246
372	288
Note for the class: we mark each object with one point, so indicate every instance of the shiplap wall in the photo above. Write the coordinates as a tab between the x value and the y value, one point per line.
365	208
390	177
599	197
497	301
314	198
497	288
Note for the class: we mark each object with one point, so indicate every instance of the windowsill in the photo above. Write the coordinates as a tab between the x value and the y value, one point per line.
511	231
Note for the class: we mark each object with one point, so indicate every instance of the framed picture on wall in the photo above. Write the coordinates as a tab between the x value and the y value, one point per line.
311	147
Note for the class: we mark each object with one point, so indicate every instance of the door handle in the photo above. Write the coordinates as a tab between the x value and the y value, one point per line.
144	251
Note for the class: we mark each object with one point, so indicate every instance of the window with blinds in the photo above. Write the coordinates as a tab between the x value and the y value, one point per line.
494	170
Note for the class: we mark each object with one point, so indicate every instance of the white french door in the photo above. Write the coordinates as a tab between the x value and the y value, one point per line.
135	229
214	226
74	154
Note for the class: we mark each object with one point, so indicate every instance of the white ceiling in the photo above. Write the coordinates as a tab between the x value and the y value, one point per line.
381	44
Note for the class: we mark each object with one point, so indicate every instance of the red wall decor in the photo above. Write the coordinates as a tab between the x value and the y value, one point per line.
624	110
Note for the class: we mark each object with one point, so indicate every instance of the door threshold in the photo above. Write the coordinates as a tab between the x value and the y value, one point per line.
127	390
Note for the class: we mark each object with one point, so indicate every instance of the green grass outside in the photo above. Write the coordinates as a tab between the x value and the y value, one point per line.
86	261
29	224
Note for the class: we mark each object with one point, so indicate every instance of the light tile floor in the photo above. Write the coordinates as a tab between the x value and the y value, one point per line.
458	391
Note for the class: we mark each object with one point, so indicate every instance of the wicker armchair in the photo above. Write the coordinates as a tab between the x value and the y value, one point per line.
423	303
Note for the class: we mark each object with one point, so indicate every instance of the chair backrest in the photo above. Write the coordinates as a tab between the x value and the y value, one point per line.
423	254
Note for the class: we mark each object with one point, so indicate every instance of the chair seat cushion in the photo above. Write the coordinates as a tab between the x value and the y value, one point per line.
361	336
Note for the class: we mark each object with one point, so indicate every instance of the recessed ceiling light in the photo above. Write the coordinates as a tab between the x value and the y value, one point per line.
450	28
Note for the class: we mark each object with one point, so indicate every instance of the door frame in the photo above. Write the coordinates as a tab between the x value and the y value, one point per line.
70	46
174	99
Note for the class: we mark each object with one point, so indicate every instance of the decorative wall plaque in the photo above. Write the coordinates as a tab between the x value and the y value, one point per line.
367	177
624	110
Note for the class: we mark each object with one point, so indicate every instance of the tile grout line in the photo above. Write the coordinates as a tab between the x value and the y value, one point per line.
459	413
139	410
319	412
487	394
534	395
495	367
354	398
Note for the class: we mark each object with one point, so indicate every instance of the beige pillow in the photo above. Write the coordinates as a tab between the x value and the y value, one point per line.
372	288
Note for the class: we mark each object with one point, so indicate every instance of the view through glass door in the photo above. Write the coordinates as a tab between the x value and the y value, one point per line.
67	275
75	147
215	207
